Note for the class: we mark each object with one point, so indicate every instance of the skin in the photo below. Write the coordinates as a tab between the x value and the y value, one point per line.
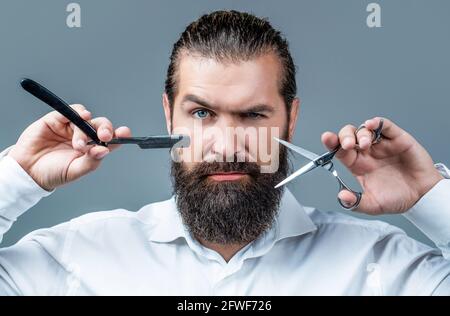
231	92
230	95
394	174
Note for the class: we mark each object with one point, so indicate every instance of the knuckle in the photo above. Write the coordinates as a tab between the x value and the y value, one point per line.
80	135
103	122
346	134
75	128
347	130
52	114
53	118
78	107
349	127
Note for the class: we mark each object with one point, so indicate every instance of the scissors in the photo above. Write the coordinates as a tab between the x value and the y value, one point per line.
45	95
326	161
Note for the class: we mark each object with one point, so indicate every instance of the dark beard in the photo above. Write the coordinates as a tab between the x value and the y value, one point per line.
228	212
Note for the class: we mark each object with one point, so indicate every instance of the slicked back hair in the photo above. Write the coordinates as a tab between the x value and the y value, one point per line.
232	36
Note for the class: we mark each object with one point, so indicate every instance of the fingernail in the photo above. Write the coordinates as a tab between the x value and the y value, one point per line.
81	143
101	155
347	204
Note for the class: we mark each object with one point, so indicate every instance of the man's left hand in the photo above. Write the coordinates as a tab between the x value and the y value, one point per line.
394	173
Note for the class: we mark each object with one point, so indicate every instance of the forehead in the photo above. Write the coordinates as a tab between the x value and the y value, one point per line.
230	82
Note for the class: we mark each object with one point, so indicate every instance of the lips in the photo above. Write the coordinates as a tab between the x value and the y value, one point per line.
227	176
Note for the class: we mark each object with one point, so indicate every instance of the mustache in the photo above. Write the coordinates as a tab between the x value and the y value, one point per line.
203	169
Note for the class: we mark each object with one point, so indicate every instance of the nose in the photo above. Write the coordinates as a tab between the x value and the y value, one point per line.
226	144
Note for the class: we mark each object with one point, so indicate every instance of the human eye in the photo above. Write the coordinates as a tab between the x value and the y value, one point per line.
253	115
201	114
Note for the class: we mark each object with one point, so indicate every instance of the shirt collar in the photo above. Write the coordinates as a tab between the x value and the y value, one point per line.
165	223
292	219
163	220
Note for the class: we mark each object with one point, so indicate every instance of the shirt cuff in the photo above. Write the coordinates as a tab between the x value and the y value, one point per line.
431	214
18	191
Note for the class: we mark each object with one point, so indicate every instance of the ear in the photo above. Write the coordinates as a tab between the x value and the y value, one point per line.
295	108
167	112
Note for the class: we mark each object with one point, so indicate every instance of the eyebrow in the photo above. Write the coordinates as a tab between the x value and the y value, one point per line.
258	108
195	99
254	108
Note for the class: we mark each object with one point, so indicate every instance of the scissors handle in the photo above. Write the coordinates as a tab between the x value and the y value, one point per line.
326	159
358	195
343	186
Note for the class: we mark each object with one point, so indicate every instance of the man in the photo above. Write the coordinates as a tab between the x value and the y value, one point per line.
227	230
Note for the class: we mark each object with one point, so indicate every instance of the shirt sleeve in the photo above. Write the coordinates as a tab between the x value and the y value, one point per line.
431	214
18	191
406	266
27	268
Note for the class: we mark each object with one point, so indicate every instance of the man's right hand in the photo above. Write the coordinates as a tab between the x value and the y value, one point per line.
53	151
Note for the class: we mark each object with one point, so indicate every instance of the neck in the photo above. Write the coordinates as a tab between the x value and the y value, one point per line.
226	251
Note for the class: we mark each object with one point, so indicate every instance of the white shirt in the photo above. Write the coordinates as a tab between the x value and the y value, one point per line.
306	252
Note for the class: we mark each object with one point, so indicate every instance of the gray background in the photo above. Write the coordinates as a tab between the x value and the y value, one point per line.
116	64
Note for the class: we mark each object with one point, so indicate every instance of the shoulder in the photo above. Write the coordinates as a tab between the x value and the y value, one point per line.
109	224
329	222
375	239
147	214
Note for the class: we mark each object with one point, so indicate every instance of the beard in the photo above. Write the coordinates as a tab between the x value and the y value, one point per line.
228	212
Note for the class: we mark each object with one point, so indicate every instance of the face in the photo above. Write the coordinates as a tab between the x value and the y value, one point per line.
224	182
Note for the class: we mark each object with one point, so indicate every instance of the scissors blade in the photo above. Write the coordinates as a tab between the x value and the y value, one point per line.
305	153
306	168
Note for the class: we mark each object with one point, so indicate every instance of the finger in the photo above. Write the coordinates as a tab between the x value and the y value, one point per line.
347	198
104	132
347	137
104	128
120	132
79	138
57	118
367	205
59	124
390	130
97	152
364	138
86	163
331	141
79	141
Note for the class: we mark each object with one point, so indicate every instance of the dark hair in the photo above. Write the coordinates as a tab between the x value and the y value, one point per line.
233	36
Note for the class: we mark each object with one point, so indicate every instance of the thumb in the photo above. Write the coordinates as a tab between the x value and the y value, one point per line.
367	204
86	163
347	198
